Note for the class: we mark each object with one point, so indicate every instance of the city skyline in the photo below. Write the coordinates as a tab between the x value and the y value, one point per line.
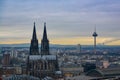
68	22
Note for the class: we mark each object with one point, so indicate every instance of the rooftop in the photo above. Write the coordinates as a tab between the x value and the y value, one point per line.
44	57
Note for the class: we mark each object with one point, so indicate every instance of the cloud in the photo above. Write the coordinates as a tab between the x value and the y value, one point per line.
65	18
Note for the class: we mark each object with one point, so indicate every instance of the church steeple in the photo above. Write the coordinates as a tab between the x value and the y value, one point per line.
45	32
44	42
34	49
34	33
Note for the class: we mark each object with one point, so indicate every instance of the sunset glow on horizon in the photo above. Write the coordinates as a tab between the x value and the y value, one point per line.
68	22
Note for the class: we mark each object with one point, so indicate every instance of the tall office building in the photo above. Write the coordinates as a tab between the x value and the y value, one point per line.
6	59
78	48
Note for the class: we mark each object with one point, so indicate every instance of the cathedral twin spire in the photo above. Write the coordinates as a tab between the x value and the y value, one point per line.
45	33
44	43
34	47
34	33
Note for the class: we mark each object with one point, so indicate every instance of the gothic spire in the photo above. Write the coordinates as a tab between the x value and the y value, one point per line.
34	49
34	37
45	32
45	42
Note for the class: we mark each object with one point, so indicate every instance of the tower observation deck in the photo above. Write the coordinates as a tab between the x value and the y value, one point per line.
95	35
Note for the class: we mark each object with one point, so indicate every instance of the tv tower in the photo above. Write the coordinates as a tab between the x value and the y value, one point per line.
95	35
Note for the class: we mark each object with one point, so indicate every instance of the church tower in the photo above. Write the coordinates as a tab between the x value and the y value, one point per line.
44	43
34	49
44	64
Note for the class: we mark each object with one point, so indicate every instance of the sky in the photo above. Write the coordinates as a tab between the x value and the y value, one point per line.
67	21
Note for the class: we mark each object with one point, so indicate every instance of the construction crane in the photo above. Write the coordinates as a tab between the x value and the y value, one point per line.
110	41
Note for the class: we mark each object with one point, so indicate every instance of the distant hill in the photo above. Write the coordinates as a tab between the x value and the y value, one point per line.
52	45
28	45
15	45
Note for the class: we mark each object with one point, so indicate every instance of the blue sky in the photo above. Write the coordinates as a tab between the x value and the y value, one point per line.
65	19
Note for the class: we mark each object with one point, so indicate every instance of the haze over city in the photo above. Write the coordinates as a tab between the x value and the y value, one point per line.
59	40
67	21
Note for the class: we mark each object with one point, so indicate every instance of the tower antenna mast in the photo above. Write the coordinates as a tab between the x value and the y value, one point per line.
95	35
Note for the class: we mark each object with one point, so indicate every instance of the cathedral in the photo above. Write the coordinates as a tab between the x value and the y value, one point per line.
41	63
